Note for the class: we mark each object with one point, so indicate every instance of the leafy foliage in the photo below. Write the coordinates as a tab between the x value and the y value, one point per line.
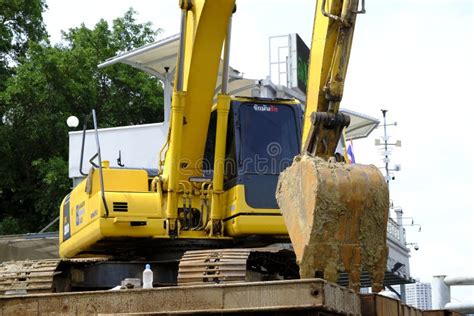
20	22
50	84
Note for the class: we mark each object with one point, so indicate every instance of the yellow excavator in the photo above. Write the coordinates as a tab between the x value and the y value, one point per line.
240	179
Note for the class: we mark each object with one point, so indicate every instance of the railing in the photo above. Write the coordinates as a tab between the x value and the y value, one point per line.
393	229
442	293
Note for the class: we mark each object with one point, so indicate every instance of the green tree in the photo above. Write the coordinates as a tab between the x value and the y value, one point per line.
21	22
51	83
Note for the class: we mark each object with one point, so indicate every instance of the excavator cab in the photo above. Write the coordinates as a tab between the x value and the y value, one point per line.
263	137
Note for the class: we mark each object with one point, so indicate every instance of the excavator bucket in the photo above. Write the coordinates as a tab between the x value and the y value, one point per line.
336	215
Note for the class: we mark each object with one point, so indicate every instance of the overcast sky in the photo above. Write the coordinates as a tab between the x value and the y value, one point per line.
411	57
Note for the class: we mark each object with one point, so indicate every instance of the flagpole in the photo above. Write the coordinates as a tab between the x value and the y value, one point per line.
385	138
388	177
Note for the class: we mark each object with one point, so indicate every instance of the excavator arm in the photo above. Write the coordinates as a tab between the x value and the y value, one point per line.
334	24
335	213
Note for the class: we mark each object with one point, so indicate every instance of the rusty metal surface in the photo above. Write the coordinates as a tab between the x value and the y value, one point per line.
34	276
406	310
271	296
86	259
378	305
336	215
265	313
440	313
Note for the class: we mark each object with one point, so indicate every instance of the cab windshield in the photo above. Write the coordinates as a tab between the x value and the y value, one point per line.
269	138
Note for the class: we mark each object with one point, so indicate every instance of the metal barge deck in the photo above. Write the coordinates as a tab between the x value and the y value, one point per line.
294	297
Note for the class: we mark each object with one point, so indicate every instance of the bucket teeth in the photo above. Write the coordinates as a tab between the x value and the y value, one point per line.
336	215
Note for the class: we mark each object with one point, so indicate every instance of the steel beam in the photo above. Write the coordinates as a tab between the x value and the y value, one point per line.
294	295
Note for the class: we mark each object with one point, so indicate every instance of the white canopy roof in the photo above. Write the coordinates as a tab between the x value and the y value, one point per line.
153	58
159	57
361	125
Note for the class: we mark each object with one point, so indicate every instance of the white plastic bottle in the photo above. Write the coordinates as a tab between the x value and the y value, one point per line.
147	277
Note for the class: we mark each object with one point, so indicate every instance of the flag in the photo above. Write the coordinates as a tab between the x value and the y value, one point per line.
348	148
350	152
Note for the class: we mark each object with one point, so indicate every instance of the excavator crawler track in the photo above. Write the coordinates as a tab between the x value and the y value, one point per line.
236	265
32	276
213	266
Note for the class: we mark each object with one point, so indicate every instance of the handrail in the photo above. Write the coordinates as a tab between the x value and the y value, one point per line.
101	176
84	128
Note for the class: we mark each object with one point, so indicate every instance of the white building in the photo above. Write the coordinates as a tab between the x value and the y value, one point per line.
417	295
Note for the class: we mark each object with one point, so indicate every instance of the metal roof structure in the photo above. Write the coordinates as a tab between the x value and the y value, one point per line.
159	59
361	125
153	58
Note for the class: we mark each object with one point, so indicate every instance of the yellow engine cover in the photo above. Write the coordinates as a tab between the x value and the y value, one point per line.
133	211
